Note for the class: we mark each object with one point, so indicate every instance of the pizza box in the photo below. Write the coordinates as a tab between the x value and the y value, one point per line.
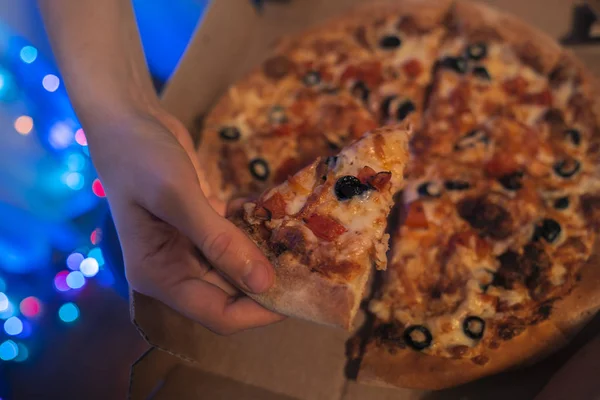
293	359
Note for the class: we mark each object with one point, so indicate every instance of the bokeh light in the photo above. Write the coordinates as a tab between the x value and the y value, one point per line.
60	136
89	267
8	312
2	285
24	124
51	82
75	280
97	188
60	281
80	137
28	54
75	162
74	180
30	306
8	350
13	326
68	312
96	253
23	353
73	261
96	236
3	302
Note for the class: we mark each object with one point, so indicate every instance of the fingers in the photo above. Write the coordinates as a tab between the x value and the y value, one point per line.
214	308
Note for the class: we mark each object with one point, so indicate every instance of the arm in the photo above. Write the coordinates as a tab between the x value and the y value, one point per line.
176	244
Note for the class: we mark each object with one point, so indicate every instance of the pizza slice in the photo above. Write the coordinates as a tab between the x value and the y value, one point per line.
325	227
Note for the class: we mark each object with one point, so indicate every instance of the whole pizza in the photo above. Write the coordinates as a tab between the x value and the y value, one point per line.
492	258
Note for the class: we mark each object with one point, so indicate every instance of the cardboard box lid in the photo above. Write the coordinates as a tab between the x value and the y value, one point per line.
293	358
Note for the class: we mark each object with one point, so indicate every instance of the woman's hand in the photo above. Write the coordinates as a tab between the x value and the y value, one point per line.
177	246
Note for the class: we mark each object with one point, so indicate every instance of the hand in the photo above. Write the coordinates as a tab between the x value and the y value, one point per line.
177	246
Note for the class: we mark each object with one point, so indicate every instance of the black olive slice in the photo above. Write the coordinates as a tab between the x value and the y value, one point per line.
390	42
548	230
361	91
259	169
573	136
471	139
429	189
474	327
312	78
457	185
561	203
384	107
481	72
277	115
404	109
512	181
229	133
477	51
349	186
567	167
456	64
418	337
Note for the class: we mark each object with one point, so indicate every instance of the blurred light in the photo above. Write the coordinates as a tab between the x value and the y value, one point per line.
3	302
86	151
89	267
31	307
97	188
75	280
24	124
97	254
8	350
8	312
74	180
23	353
68	312
50	82
96	236
80	137
13	326
26	329
2	285
60	281
28	54
75	162
6	84
74	260
105	278
61	136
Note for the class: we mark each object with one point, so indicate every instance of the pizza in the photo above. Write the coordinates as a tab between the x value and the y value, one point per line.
492	259
324	227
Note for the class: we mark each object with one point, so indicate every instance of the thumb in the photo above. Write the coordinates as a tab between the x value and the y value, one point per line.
225	246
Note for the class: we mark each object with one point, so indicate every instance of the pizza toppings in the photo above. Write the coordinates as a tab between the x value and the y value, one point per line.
548	230
276	206
456	64
567	167
277	67
561	203
457	185
429	189
277	115
473	327
404	109
472	139
477	51
349	186
573	136
380	180
312	78
512	181
415	216
484	215
324	227
418	337
361	91
390	42
229	133
259	169
481	72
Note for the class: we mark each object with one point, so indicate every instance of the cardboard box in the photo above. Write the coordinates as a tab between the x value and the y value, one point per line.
293	359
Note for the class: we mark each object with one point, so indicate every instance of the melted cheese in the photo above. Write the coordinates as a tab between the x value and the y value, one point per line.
359	213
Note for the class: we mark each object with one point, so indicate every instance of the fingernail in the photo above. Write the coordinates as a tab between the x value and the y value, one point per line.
257	278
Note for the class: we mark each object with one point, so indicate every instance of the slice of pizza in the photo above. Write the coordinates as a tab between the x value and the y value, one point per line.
325	227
